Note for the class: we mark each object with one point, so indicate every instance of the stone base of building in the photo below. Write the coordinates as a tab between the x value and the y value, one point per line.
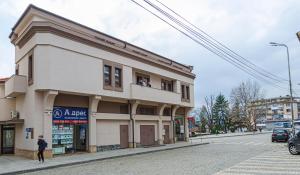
92	149
132	145
108	147
30	154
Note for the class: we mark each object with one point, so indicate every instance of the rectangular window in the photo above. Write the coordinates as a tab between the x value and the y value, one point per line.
17	70
185	93
112	76
167	85
182	91
30	70
107	75
146	110
143	80
118	77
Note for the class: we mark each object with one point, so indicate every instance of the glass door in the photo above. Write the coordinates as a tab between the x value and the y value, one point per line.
80	137
8	139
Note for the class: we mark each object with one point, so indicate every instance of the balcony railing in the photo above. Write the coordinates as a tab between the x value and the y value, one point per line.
139	92
15	85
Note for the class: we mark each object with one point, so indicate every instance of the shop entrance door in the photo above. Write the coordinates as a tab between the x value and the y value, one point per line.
80	137
7	139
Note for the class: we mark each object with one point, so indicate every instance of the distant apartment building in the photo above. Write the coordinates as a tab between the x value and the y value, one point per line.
84	90
278	108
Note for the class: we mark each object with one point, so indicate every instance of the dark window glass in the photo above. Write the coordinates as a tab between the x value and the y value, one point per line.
17	70
107	75
118	77
167	112
143	80
146	110
124	109
170	86
30	69
187	92
163	85
167	85
182	91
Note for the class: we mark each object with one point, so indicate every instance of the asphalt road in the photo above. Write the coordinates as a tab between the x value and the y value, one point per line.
222	156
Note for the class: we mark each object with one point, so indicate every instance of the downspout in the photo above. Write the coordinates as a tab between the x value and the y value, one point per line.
131	119
173	123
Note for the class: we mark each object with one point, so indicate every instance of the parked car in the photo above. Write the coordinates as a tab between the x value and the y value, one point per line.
294	144
280	134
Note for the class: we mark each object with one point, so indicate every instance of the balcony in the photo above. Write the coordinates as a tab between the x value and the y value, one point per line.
15	85
139	92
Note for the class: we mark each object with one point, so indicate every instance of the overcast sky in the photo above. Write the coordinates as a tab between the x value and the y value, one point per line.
245	26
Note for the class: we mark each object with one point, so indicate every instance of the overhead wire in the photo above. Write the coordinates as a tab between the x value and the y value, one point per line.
220	51
211	46
221	44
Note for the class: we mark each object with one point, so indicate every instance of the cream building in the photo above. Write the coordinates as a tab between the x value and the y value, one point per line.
84	90
278	108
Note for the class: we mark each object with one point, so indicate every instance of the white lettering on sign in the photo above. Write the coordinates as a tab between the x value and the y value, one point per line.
67	112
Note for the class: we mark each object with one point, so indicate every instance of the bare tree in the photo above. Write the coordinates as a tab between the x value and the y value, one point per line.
242	96
209	104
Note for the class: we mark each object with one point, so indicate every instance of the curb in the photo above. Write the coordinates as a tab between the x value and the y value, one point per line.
196	138
98	159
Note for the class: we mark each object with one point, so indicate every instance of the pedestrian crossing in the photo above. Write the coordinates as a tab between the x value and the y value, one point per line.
277	162
247	143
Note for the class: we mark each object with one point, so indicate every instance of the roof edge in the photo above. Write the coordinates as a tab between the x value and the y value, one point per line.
31	6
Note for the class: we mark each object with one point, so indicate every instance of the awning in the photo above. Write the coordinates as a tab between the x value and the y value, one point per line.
14	121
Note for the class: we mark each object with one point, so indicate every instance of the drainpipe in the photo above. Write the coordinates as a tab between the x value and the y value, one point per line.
173	123
131	119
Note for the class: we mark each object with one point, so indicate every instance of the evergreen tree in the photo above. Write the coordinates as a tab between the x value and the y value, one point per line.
221	114
203	119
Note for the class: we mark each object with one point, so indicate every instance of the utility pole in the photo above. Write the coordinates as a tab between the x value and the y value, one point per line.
290	82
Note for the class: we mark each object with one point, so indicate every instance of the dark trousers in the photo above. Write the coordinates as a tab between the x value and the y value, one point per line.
40	155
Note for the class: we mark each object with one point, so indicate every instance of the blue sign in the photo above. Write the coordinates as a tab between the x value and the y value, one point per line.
70	115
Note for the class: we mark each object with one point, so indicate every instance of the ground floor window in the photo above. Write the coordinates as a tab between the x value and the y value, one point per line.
7	139
179	128
69	129
68	138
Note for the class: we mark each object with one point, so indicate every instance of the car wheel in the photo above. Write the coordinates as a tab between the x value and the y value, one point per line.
293	150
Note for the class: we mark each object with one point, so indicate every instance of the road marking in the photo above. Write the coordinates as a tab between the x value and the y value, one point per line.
272	162
242	143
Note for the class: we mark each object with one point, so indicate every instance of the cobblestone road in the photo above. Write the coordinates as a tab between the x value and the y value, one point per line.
222	156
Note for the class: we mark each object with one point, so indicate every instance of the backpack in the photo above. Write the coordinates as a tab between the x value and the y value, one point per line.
45	144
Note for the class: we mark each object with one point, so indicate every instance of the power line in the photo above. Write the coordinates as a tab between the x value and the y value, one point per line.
246	60
210	46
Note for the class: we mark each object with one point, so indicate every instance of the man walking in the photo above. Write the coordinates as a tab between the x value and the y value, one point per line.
42	146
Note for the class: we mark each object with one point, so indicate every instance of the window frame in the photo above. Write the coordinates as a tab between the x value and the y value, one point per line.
113	67
137	74
110	76
166	85
118	66
30	71
17	69
185	92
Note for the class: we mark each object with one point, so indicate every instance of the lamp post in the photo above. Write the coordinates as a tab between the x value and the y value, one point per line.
290	81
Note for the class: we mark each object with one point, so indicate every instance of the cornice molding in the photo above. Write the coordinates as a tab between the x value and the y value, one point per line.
99	42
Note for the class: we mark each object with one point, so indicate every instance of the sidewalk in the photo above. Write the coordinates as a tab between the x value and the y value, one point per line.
15	165
229	135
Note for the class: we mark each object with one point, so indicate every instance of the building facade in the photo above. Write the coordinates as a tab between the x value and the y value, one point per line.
84	90
276	108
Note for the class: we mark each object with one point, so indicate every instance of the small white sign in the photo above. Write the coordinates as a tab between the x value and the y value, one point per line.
181	129
163	132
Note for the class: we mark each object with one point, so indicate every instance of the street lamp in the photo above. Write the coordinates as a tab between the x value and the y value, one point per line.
290	81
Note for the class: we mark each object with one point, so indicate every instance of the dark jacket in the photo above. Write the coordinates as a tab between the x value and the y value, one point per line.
42	144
